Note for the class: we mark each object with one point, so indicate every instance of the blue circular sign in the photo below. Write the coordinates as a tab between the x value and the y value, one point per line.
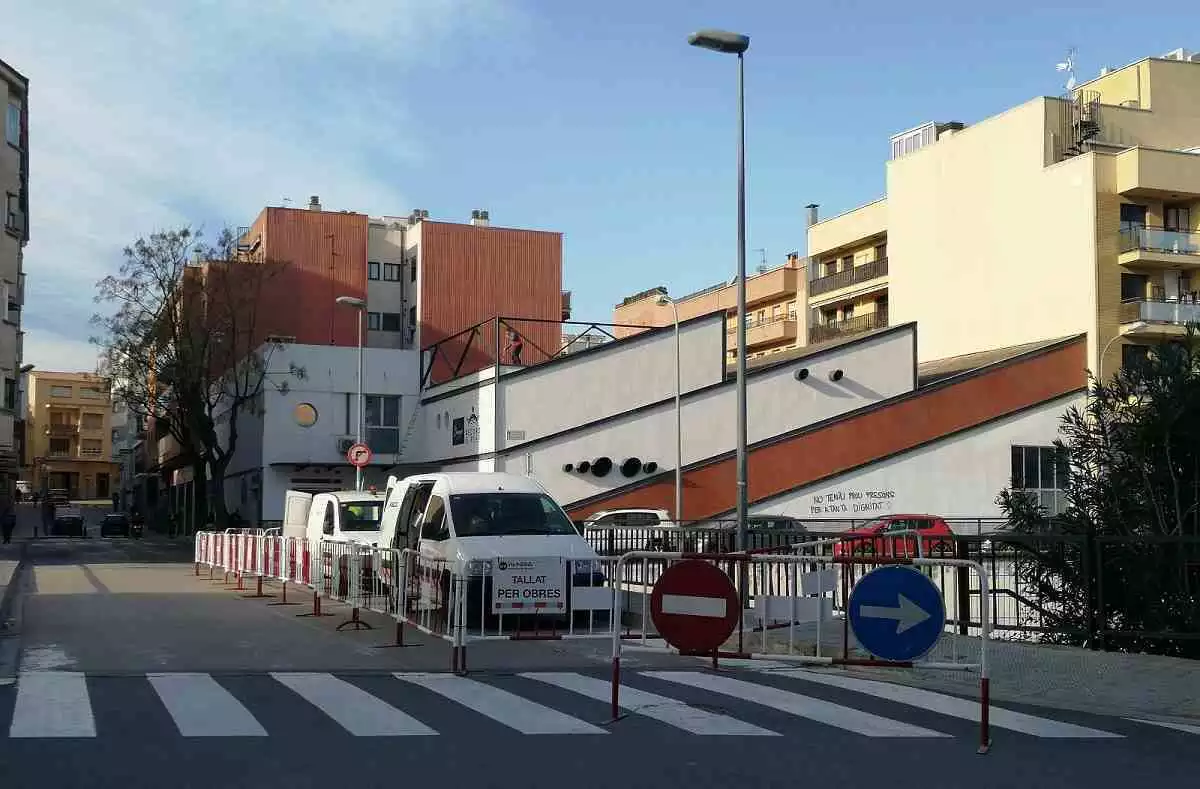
896	613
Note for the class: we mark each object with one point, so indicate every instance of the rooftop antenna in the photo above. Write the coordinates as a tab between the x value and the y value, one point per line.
762	260
286	202
1068	66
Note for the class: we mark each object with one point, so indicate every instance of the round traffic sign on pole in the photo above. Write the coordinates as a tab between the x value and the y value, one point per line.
896	613
695	606
359	455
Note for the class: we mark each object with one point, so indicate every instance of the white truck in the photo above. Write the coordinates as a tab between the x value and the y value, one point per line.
466	524
327	520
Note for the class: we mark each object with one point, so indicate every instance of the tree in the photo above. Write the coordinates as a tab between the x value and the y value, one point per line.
186	347
1123	560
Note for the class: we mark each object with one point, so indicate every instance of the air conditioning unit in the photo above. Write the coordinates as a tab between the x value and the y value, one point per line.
344	443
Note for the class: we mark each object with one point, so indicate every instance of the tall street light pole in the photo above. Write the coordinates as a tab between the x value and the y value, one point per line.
736	44
664	300
361	306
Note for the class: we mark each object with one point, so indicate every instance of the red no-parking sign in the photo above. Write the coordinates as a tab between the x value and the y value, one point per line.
694	606
359	455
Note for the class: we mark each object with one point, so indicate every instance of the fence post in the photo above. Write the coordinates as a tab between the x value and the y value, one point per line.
1088	565
962	588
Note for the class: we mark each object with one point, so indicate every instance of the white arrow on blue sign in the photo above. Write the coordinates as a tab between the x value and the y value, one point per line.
896	613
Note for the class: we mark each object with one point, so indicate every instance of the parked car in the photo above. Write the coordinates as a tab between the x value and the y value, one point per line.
117	524
68	522
897	535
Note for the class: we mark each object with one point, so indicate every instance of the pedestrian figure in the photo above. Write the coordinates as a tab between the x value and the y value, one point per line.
515	346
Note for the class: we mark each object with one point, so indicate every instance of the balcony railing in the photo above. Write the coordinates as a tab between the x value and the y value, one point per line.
62	429
1160	311
1156	239
851	276
855	325
88	452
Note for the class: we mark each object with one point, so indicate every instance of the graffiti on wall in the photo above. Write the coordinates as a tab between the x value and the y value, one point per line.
866	502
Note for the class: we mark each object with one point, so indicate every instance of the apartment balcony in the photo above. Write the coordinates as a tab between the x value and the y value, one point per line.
769	332
849	278
1159	248
1157	318
856	325
62	429
91	454
1149	172
772	285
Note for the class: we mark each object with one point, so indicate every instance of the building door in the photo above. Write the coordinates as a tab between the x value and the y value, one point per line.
102	489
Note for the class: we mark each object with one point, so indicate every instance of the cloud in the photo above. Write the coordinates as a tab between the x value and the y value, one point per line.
49	350
146	116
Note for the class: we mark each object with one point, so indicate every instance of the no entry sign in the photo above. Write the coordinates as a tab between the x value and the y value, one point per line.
694	606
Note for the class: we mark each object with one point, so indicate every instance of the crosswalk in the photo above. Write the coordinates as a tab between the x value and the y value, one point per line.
72	705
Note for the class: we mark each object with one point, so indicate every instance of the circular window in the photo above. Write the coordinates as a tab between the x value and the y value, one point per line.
305	414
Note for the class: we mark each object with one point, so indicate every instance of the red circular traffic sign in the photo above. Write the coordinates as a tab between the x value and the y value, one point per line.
359	455
694	606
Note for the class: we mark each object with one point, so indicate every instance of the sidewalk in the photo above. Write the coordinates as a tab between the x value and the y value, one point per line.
1062	677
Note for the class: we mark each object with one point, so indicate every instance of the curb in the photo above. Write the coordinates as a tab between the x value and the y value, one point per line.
11	612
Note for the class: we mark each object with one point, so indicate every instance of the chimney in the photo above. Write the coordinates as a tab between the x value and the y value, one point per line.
314	203
814	215
479	218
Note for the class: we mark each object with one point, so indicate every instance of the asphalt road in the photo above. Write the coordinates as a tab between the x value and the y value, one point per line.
135	672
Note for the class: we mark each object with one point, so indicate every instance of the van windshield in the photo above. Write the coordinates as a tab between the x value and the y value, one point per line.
503	514
362	515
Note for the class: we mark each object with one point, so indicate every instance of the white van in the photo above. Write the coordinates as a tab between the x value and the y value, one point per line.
469	520
339	516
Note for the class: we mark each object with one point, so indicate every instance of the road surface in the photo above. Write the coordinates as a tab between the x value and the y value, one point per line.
135	672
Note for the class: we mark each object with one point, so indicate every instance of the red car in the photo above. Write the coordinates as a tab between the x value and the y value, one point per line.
872	539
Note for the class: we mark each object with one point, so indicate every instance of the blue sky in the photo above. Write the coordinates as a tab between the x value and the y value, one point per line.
593	119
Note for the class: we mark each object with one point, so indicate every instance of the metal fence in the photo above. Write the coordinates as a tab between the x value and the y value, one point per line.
1110	593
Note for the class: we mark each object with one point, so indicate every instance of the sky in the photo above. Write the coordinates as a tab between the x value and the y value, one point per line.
592	119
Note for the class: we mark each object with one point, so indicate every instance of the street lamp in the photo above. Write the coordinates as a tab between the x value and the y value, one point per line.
736	44
361	306
663	301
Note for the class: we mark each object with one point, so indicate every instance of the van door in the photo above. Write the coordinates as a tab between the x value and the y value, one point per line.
389	525
296	505
412	509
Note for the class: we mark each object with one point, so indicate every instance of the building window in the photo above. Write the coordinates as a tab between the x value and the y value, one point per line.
373	269
12	124
92	393
1134	356
1041	473
12	212
847	312
373	321
390	321
391	272
791	310
61	391
92	422
383	423
60	447
10	394
91	448
412	269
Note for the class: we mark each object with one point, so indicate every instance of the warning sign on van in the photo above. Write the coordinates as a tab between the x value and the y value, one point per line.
529	586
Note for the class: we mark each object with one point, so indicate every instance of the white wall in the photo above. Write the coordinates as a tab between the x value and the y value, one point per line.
331	374
874	370
957	477
563	394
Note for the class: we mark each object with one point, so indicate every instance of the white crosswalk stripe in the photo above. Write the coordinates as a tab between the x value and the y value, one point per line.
68	704
952	706
525	716
795	704
52	704
357	711
660	708
201	707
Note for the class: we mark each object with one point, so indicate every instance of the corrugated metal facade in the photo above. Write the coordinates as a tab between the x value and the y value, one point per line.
470	274
326	256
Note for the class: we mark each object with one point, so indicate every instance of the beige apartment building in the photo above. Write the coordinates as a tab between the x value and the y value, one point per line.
14	183
775	319
1058	216
68	428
